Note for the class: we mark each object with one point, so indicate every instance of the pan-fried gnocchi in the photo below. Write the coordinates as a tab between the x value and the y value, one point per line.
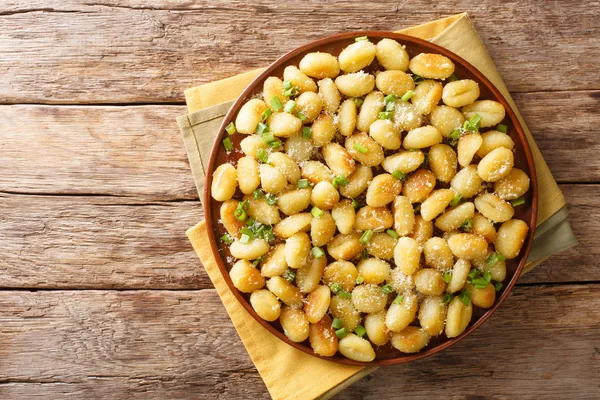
371	200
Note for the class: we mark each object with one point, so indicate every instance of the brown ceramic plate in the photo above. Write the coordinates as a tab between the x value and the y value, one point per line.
386	355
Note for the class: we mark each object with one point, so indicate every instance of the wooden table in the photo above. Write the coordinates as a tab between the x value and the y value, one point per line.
102	295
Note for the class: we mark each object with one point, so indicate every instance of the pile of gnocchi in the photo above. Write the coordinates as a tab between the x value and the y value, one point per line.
373	202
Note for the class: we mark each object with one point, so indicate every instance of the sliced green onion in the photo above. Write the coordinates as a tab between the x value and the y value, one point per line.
261	128
317	252
336	288
258	194
306	132
289	106
494	258
418	78
244	238
386	115
271	199
480	283
502	128
473	273
455	134
230	128
401	176
303	183
447	276
487	275
391	106
452	78
301	116
240	211
275	144
289	275
355	203
268	137
392	233
447	298
287	85
390	98
360	331
249	221
340	180
455	200
337	323
407	95
387	289
227	238
257	261
465	297
266	114
364	255
366	236
316	212
345	295
262	155
467	225
268	234
473	124
518	202
498	286
359	280
291	91
276	103
341	333
361	39
399	299
358	101
360	148
227	144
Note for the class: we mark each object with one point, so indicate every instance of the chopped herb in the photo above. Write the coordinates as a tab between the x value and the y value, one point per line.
386	115
268	234
268	137
289	106
366	236
230	128
473	124
360	331
316	212
407	95
518	202
227	144
337	323
455	200
262	155
258	194
301	116
306	132
502	128
227	238
303	183
447	276
365	254
417	78
361	39
498	286
271	199
401	176
399	299
293	91
249	221
465	297
452	78
358	101
360	148
289	275
494	258
487	275
390	98
387	289
261	128
359	280
474	273
447	298
275	144
336	288
341	333
257	261
287	85
467	225
266	114
392	233
479	283
240	211
345	295
454	136
317	252
340	180
390	106
355	204
244	238
276	103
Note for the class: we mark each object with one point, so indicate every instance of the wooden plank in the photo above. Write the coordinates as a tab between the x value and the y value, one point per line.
111	242
138	151
162	344
116	51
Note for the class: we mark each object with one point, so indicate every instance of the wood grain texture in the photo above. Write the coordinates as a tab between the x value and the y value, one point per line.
165	344
115	51
122	243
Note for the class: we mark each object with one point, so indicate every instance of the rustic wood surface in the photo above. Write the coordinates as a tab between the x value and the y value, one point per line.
101	295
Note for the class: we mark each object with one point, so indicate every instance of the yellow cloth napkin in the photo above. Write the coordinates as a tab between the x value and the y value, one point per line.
289	373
